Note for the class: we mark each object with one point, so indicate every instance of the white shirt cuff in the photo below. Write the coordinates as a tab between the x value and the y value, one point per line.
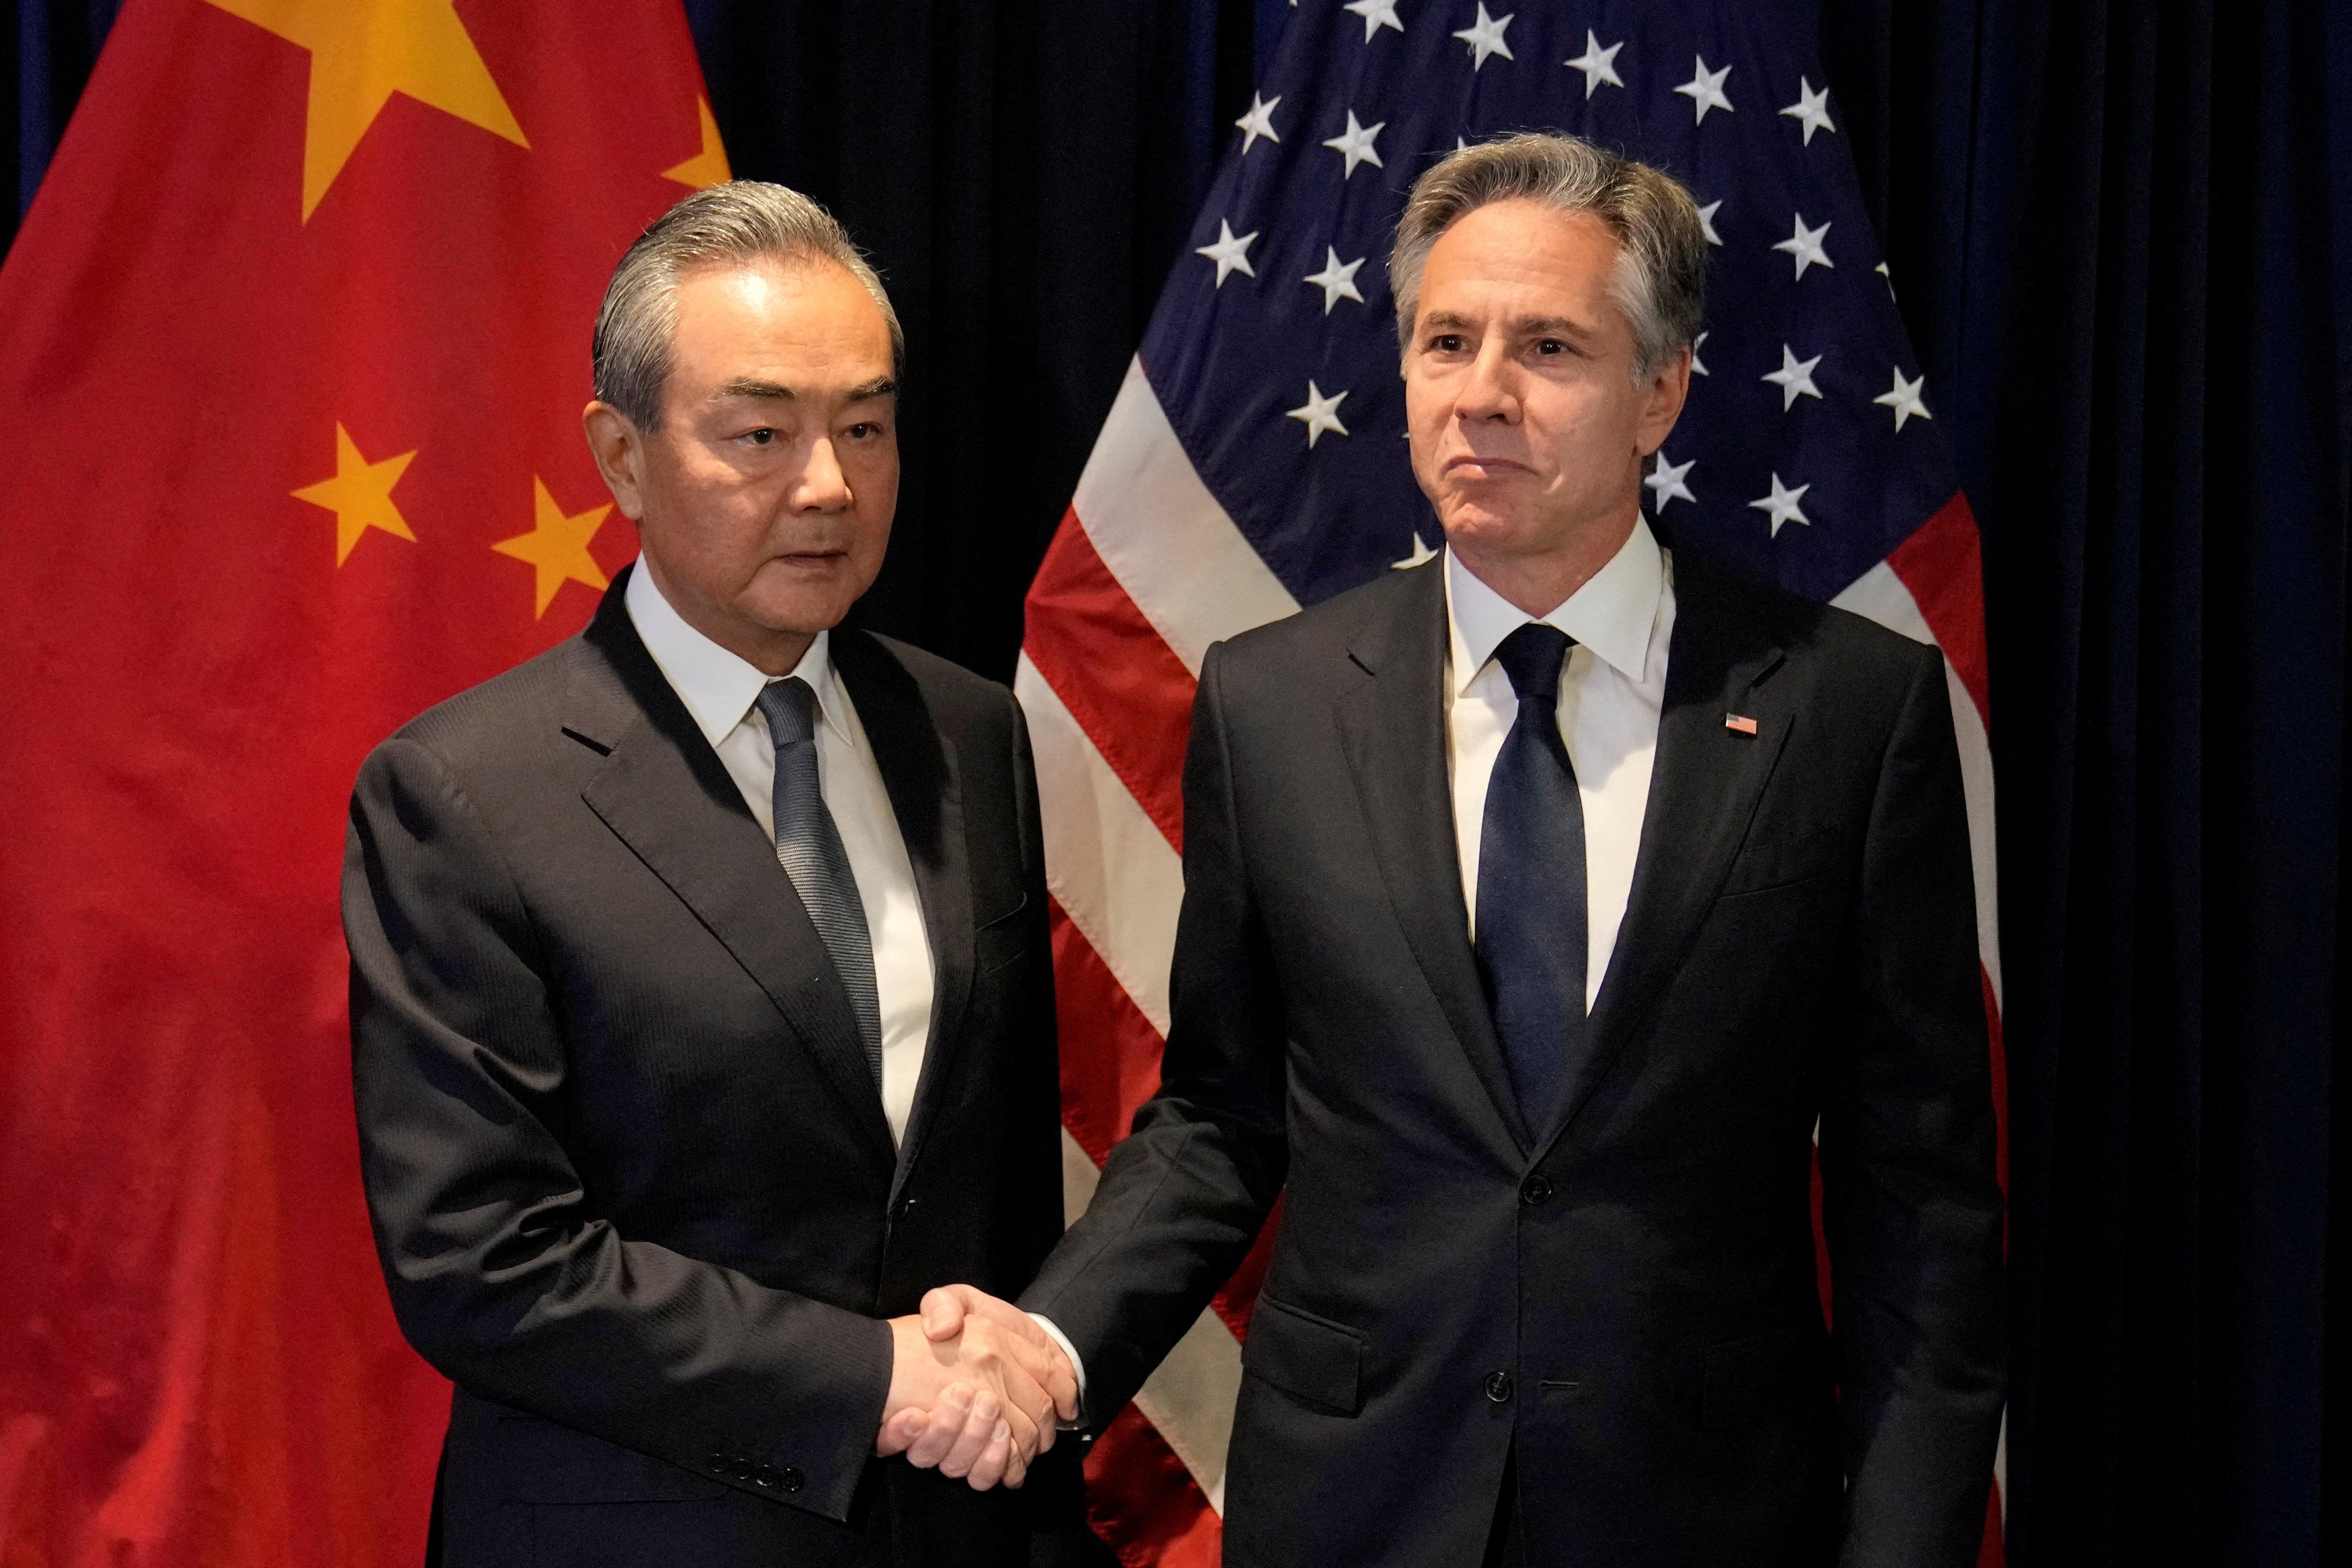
1077	1367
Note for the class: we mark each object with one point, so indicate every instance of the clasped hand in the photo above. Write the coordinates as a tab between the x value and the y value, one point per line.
977	1388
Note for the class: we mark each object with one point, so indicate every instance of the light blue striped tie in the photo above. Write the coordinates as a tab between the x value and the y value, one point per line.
808	845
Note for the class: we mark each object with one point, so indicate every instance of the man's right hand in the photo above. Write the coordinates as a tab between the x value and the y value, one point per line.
974	1390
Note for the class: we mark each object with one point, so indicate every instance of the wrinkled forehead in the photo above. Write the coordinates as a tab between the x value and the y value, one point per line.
809	327
1525	263
812	291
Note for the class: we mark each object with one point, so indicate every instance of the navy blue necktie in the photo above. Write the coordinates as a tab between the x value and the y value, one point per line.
808	845
1531	911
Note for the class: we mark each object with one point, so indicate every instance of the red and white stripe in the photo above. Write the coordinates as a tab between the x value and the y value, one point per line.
1146	571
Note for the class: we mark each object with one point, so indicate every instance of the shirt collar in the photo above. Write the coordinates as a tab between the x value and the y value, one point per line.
717	686
1613	614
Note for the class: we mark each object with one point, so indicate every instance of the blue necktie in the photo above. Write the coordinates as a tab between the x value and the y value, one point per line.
808	845
1531	911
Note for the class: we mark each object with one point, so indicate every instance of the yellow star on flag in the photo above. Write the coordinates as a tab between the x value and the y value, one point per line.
359	495
707	167
363	51
558	547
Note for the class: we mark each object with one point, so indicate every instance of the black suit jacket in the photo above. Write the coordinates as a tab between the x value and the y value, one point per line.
1628	1295
630	1181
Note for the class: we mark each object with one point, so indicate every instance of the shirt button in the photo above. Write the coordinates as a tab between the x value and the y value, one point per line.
1536	1189
792	1479
1498	1387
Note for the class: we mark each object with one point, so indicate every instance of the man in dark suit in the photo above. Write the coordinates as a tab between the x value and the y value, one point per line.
1540	904
701	1009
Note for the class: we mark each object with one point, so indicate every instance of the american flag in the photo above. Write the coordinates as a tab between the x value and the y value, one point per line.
1255	461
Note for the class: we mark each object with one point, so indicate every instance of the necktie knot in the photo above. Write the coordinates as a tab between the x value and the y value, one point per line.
1532	658
790	707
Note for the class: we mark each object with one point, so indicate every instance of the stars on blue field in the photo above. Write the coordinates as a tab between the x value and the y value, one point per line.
1665	481
1485	38
1356	144
1377	14
1257	122
1782	505
1597	63
1811	110
1904	399
1805	245
1319	412
1794	378
1337	280
1705	89
1290	288
1231	253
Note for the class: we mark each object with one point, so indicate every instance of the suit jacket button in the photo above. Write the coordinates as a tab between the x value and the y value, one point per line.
742	1468
1498	1387
765	1476
792	1479
1536	1189
718	1464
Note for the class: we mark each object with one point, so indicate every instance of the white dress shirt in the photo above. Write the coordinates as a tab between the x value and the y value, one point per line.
719	690
1611	696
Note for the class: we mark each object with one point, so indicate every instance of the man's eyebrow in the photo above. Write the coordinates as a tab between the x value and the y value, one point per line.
750	386
1523	326
1558	326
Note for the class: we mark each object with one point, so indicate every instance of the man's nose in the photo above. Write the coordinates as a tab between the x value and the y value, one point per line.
1490	391
823	488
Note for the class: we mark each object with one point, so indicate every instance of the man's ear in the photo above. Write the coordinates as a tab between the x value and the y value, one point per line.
619	448
1662	401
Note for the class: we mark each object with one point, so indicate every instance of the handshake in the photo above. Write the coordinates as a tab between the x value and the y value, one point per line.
977	1389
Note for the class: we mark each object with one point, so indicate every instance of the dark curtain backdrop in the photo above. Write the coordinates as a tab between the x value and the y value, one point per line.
2118	232
2121	233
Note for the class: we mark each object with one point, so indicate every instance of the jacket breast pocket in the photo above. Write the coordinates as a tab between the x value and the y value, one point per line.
1786	862
1312	1359
1754	1379
540	1461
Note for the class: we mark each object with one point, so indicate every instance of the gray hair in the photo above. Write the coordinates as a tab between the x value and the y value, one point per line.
1661	278
739	221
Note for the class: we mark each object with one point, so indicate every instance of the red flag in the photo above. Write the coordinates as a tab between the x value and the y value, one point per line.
296	344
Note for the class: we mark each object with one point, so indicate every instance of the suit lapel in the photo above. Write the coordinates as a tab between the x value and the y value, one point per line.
918	772
665	793
1392	727
1703	789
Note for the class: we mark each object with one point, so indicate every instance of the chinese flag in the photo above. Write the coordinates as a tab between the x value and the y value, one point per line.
292	350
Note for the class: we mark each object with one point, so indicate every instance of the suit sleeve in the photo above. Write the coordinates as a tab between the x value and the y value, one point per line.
1043	1100
1911	1204
1184	1194
502	1273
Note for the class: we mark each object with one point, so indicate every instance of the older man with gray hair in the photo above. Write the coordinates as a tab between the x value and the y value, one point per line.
702	1017
1540	904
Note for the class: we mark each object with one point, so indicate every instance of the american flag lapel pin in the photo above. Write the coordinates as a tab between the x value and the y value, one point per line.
1739	724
